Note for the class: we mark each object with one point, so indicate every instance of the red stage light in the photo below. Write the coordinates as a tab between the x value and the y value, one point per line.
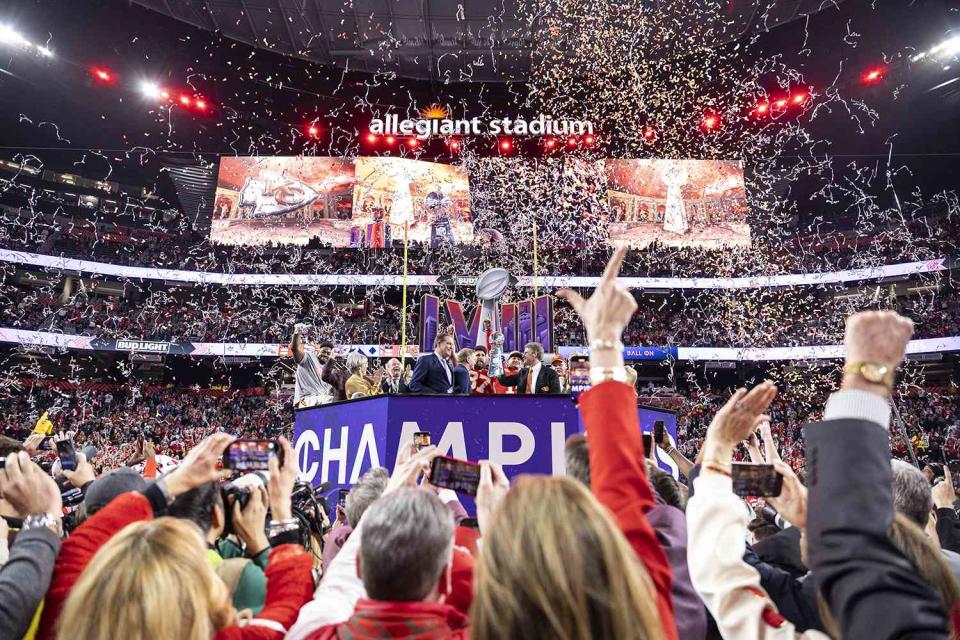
454	145
102	75
799	98
201	105
873	75
391	139
762	109
165	94
371	138
710	122
588	140
506	144
185	100
781	103
571	141
412	142
649	133
314	131
550	143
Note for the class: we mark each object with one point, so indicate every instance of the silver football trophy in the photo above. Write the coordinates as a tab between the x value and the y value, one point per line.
491	285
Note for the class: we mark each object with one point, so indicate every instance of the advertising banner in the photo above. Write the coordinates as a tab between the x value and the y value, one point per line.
338	443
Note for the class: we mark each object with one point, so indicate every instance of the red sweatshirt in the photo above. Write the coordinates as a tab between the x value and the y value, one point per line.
618	479
289	573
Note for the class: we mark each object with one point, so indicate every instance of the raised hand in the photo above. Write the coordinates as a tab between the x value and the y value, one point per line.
200	466
606	313
28	488
740	416
877	337
282	479
792	501
409	469
491	491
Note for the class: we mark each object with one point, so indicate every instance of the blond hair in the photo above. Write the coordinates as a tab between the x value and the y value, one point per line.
555	565
151	580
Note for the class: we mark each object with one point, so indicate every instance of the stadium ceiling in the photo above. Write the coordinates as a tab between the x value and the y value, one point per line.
437	40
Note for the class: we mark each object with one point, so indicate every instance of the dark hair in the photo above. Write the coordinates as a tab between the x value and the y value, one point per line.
480	347
197	505
578	458
761	529
326	344
8	446
665	485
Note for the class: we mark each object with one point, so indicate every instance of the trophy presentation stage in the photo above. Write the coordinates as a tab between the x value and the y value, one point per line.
337	443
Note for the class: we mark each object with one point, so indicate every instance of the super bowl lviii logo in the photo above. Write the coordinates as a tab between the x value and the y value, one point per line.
517	322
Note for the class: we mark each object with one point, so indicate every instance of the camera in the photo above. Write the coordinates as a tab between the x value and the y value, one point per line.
238	492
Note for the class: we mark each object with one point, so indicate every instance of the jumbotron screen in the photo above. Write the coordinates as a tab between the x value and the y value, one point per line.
364	203
700	203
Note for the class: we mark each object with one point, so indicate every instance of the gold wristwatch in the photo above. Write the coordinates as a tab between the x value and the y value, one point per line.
872	372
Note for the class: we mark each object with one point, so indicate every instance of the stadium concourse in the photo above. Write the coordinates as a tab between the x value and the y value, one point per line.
502	319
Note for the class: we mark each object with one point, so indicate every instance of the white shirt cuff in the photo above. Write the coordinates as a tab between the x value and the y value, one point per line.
858	405
447	496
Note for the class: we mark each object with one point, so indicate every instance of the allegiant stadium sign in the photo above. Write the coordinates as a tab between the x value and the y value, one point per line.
424	128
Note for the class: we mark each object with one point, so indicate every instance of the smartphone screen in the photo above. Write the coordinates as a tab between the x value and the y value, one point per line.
342	497
579	375
421	439
647	444
250	455
67	454
757	480
458	475
658	430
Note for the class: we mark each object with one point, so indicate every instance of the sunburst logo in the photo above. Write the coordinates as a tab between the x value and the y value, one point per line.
434	112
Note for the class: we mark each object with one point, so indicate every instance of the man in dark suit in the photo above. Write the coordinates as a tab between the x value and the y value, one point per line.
872	588
433	372
535	377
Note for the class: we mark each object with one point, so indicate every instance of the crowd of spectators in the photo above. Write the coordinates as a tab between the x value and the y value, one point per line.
616	549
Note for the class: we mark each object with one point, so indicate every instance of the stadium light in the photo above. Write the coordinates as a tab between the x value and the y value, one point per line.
506	144
799	98
151	90
947	48
762	109
200	104
454	145
588	140
412	143
313	131
371	138
872	75
185	100
571	142
649	133
390	140
550	143
710	122
781	103
103	75
45	52
9	36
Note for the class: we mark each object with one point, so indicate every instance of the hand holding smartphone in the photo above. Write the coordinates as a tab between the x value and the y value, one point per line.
251	455
756	480
461	476
66	452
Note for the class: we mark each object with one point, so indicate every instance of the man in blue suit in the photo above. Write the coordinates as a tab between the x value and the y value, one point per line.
433	372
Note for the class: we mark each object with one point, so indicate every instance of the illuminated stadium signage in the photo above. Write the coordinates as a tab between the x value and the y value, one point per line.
424	128
142	345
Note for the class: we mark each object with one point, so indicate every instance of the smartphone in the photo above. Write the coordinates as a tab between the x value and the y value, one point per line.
459	475
251	455
470	523
658	431
937	470
757	480
421	439
342	497
67	454
579	375
647	444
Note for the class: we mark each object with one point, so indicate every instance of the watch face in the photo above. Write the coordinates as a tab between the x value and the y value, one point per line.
874	372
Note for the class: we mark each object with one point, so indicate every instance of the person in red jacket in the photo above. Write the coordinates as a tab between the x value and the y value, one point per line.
554	563
87	588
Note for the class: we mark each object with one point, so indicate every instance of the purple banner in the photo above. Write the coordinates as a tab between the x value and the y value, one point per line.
337	443
465	337
524	323
508	326
429	322
543	315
